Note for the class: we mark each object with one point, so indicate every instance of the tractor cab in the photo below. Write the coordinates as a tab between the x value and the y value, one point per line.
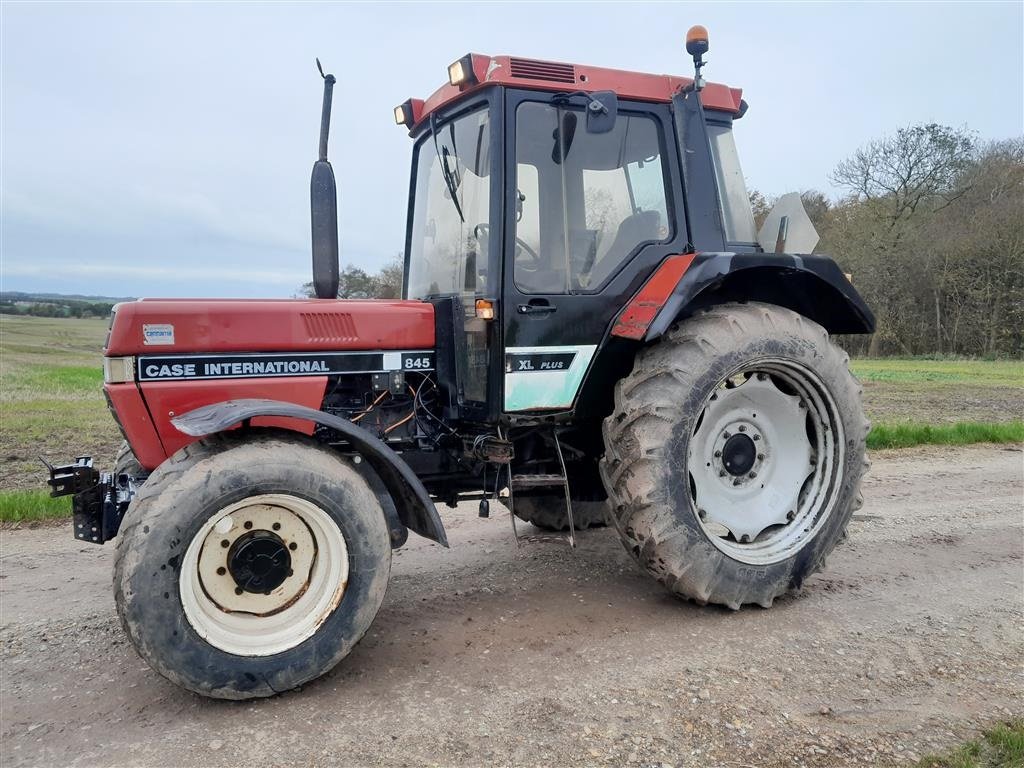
543	196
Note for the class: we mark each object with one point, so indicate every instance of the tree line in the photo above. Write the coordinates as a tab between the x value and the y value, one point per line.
931	227
52	306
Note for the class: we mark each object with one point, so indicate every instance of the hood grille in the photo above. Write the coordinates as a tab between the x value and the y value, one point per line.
329	326
542	70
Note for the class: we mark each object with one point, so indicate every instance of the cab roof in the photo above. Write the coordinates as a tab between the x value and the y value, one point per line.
517	72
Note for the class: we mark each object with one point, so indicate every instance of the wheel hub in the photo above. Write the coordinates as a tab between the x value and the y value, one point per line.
259	561
738	454
749	457
263	573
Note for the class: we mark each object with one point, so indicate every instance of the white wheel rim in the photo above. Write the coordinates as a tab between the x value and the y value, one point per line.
765	461
262	623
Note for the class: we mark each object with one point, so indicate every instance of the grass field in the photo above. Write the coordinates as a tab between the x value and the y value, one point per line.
51	404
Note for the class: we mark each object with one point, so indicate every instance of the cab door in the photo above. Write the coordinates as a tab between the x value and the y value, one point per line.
589	217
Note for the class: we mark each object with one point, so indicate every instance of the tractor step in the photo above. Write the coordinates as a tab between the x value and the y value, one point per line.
536	481
520	482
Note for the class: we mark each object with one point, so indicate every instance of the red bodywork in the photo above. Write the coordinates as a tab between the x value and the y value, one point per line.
517	72
145	409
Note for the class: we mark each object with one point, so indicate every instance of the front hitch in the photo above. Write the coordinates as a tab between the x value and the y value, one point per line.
99	499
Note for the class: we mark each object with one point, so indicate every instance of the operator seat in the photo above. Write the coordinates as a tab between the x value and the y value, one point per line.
641	227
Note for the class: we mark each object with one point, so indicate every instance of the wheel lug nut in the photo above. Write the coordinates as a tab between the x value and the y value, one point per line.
721	473
238	590
761	377
726	435
221	571
744	539
752	475
293	546
248	524
702	514
718	454
742	428
225	543
757	437
790	515
276	526
760	457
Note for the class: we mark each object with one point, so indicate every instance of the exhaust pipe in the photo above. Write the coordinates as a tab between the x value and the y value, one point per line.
323	206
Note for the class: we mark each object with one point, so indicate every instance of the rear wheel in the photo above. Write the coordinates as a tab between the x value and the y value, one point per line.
735	454
548	512
246	568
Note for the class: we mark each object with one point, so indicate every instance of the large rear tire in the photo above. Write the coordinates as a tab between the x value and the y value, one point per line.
734	456
250	565
548	512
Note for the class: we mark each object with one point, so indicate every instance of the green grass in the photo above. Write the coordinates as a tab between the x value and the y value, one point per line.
907	435
1000	747
16	506
979	373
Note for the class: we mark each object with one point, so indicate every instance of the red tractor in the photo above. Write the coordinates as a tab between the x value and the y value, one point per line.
592	331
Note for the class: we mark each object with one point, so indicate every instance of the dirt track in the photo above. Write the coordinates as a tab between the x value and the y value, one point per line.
912	637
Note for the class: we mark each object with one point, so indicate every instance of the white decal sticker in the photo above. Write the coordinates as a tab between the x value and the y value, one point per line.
157	334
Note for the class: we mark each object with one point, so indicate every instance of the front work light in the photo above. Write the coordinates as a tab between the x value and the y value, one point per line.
403	114
461	72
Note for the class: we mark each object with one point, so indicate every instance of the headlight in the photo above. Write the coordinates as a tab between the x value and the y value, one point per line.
118	370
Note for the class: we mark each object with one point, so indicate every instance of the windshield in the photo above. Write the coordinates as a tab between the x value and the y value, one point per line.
450	224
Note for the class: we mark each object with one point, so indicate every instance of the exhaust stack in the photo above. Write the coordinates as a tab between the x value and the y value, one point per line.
323	205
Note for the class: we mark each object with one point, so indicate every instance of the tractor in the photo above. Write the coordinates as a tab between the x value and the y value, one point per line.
592	331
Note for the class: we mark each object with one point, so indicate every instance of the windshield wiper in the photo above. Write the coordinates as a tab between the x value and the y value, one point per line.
446	172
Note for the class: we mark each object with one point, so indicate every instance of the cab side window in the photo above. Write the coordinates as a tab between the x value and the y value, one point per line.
598	197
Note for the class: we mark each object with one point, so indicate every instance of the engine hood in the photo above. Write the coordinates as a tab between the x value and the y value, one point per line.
156	326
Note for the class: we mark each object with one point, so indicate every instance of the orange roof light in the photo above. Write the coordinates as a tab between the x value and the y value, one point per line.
697	40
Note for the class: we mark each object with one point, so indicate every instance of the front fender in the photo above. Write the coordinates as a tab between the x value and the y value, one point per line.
415	508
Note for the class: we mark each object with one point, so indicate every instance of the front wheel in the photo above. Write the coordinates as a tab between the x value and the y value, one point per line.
735	454
247	566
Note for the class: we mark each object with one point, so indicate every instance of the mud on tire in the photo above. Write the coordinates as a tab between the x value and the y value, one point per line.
190	490
660	409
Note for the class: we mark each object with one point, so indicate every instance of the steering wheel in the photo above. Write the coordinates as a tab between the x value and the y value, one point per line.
529	264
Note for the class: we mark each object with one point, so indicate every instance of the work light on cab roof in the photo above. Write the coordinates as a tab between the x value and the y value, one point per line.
562	218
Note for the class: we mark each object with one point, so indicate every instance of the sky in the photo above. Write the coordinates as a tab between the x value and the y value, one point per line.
164	149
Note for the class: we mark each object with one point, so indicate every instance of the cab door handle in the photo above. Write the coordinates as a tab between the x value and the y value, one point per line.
536	307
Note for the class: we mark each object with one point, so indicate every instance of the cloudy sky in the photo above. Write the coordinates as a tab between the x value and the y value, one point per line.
162	149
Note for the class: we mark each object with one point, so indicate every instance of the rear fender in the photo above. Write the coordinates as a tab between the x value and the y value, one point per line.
811	285
415	509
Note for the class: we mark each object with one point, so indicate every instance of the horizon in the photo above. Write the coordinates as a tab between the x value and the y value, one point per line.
162	169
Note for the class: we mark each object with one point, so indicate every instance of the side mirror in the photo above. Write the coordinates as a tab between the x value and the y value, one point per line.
602	110
788	228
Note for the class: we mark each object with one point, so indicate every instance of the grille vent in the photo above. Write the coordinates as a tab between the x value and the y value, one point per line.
329	326
542	70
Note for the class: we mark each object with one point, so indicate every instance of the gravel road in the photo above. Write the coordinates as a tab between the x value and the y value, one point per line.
910	640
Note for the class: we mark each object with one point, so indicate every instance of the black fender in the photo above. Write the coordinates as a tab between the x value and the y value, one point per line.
812	285
414	506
